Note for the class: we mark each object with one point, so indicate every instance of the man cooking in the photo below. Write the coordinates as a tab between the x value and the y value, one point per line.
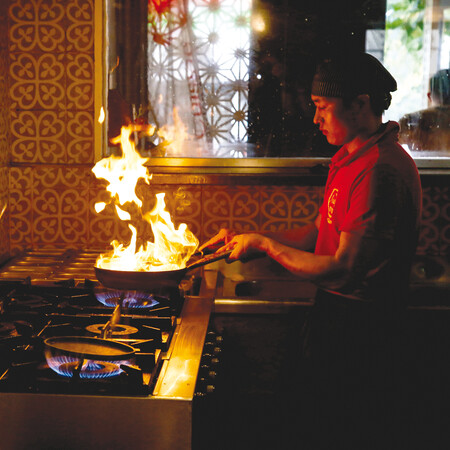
360	247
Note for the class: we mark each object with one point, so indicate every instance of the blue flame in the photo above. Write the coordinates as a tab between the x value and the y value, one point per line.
66	366
132	299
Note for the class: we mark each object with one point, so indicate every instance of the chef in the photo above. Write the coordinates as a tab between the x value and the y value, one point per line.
358	250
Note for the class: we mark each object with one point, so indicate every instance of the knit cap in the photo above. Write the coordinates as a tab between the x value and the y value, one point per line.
351	75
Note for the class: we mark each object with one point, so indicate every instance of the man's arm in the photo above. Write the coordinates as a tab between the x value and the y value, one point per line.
302	238
353	259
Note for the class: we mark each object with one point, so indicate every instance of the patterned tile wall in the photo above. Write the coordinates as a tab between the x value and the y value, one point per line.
4	127
47	134
435	232
51	133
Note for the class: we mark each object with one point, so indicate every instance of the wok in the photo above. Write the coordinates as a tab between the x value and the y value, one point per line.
135	280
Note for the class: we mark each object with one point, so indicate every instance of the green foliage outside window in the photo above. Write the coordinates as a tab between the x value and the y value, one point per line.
403	54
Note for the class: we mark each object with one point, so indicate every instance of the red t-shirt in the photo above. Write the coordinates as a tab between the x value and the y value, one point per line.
374	191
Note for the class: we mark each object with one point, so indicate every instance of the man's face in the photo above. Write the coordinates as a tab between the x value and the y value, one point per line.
334	119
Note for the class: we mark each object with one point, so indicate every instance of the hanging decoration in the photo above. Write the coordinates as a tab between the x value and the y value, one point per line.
165	17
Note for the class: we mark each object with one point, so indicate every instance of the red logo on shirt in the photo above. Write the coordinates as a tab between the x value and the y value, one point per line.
331	204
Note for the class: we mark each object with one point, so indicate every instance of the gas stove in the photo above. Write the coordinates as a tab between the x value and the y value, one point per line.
33	315
50	301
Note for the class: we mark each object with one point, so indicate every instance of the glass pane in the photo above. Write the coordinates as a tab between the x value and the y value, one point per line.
233	76
417	53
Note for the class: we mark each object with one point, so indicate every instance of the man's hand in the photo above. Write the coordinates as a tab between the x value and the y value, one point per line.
245	246
220	239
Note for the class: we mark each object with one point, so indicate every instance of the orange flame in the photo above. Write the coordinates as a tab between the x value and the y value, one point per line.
175	135
172	247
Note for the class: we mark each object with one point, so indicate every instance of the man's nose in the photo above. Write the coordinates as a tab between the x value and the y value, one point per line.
316	119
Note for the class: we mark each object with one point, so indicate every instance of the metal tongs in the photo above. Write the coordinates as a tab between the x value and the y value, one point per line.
106	331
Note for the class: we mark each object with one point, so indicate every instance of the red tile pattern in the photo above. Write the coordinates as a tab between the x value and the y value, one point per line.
289	206
60	210
37	81
50	68
435	231
20	206
234	207
38	136
36	26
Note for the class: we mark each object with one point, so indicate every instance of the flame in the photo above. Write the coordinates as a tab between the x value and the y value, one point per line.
101	116
175	135
172	247
123	172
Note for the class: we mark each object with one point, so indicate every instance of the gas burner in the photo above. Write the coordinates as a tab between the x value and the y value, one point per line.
117	329
30	302
131	299
91	369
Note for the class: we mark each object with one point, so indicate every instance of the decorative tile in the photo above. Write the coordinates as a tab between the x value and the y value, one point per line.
60	206
37	81
429	240
234	207
80	137
20	204
36	25
38	136
80	81
80	30
284	207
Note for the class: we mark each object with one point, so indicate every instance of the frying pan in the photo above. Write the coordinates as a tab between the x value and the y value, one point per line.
84	347
86	357
134	280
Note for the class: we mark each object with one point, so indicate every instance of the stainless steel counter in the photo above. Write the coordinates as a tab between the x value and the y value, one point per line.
162	421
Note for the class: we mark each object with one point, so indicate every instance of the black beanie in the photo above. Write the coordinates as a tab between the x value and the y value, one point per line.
351	75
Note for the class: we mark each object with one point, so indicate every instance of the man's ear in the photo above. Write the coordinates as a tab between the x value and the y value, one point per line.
361	101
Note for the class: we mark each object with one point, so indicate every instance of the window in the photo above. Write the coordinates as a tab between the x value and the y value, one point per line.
231	78
417	52
199	66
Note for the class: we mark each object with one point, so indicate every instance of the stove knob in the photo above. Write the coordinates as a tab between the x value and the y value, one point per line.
205	391
212	336
204	387
214	361
212	348
208	359
206	372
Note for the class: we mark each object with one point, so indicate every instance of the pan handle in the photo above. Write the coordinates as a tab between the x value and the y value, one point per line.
209	259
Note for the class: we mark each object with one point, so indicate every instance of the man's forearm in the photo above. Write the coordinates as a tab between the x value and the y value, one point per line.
302	238
324	270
